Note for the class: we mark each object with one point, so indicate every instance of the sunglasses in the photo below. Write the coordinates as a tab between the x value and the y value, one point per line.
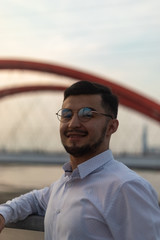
84	114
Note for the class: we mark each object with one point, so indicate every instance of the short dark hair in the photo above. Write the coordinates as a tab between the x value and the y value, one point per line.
109	100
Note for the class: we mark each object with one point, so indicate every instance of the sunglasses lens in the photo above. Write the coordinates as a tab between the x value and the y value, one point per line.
65	114
85	113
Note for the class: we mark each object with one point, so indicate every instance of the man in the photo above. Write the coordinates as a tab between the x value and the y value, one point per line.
97	197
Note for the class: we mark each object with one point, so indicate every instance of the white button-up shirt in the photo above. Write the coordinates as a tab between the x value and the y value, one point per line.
101	199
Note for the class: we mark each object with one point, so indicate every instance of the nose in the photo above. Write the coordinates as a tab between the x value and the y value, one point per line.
74	122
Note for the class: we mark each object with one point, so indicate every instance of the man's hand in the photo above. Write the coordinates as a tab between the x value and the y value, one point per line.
2	223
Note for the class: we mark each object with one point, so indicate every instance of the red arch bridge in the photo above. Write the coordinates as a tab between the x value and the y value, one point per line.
127	97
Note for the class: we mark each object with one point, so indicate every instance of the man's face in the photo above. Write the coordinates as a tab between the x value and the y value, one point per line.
87	138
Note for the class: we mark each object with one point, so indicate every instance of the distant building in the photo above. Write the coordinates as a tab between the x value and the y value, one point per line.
145	149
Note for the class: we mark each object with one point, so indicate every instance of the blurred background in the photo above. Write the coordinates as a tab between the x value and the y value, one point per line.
117	40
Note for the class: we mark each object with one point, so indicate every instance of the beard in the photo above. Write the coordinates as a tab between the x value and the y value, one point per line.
86	149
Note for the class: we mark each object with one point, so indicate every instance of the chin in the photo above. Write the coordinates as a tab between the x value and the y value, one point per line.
78	151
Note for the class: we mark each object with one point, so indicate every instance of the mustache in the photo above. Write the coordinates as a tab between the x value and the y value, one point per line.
75	131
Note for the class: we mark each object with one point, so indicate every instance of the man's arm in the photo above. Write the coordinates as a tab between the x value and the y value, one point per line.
34	202
135	213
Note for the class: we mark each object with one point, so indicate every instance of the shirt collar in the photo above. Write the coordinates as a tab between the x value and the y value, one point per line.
90	165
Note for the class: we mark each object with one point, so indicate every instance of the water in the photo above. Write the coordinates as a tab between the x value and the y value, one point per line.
17	179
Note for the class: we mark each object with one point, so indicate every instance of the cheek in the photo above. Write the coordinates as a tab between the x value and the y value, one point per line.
61	129
94	131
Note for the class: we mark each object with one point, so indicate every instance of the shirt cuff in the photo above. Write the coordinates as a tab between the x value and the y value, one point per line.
6	212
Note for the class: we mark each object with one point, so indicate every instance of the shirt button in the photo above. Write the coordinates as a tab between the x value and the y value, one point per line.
58	211
69	184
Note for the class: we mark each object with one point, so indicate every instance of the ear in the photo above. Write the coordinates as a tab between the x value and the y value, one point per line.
112	126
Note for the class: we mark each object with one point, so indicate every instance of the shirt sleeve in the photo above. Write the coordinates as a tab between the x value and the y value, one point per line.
34	202
134	212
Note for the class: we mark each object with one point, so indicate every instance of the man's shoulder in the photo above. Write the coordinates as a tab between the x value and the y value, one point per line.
118	173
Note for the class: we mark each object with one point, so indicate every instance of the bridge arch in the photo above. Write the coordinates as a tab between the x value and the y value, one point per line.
127	97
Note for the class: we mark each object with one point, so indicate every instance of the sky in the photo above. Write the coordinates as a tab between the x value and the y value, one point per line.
116	39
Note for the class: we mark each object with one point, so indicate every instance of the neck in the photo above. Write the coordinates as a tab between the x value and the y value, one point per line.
75	161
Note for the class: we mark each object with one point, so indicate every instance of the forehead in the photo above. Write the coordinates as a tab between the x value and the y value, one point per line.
79	101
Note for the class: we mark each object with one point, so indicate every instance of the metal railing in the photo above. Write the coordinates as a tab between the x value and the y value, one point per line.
33	223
